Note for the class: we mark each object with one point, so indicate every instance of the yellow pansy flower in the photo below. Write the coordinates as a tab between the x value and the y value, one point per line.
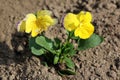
35	24
80	24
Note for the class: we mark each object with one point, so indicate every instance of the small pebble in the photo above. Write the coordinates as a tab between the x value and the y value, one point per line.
52	70
97	79
20	48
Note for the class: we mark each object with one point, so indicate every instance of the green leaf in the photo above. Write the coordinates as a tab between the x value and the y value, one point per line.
56	59
32	42
69	63
72	52
67	72
37	52
75	38
69	49
57	43
93	41
71	35
67	46
35	48
45	43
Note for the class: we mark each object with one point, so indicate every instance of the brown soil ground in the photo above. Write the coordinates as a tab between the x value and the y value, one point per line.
99	63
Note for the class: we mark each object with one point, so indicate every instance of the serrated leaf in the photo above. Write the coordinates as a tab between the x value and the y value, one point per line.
45	43
69	63
35	48
93	41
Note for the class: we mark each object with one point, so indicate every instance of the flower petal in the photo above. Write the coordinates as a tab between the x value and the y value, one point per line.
71	22
84	16
21	26
30	22
48	21
45	21
44	12
35	31
84	31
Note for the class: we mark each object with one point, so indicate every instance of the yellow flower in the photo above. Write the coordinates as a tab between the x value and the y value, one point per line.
80	24
37	24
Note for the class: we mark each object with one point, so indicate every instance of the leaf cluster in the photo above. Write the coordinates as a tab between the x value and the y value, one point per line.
62	53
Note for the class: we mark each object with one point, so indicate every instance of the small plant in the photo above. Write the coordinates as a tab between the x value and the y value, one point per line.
78	28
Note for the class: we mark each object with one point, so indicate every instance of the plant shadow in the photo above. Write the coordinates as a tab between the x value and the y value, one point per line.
19	51
20	47
22	52
5	54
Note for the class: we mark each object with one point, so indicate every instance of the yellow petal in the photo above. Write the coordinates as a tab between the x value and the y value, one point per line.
30	22
44	12
71	22
35	31
45	21
84	31
84	16
21	26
